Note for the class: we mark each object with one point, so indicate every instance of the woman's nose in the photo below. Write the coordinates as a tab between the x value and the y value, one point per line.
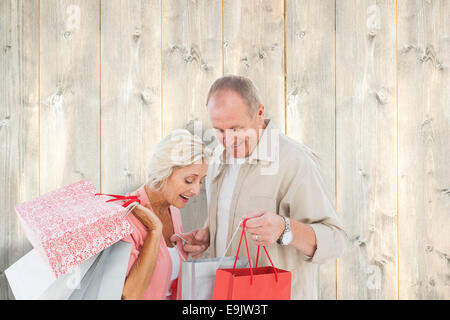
196	190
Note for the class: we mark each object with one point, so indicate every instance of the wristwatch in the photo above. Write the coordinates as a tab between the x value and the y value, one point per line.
286	236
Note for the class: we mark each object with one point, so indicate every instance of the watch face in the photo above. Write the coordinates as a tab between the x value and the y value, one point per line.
287	238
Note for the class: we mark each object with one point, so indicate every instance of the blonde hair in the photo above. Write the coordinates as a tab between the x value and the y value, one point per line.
177	150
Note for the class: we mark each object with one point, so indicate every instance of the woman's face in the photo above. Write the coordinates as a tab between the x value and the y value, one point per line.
184	183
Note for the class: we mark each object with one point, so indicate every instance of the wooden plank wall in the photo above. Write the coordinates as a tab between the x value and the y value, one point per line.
423	149
366	147
130	91
192	60
88	88
310	106
19	125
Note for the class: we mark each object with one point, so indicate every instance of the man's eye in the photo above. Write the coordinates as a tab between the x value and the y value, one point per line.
187	181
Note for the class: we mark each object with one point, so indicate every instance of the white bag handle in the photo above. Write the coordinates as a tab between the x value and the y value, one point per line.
229	244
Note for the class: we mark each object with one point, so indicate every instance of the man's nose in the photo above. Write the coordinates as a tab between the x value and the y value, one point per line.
229	139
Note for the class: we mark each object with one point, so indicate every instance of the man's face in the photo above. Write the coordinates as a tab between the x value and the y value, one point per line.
235	128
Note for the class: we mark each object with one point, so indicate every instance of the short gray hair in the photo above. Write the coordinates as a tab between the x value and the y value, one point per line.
241	85
177	150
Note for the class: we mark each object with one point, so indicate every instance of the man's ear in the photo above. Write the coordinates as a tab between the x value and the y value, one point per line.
261	111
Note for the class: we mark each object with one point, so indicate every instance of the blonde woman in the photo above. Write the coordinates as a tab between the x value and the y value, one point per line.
177	169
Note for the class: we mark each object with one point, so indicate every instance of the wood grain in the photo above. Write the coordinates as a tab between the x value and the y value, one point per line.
19	136
424	146
192	61
366	147
130	91
70	99
89	87
254	48
310	95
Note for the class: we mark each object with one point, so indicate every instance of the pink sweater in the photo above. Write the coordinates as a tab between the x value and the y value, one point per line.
159	284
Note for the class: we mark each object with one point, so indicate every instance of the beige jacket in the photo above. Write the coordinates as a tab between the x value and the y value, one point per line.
281	176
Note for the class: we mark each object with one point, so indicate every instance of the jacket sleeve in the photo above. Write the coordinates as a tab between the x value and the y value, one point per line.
307	200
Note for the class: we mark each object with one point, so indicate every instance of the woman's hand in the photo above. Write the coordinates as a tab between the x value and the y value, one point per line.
147	218
141	272
197	241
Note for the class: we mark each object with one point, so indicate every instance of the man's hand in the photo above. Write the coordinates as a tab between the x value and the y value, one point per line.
264	227
198	241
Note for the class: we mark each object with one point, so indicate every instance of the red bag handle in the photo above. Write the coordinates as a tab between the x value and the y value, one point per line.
118	197
248	255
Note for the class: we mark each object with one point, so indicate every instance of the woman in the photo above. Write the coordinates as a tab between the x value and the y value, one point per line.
177	168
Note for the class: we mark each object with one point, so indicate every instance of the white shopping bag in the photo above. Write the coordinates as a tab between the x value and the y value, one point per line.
32	278
199	275
106	277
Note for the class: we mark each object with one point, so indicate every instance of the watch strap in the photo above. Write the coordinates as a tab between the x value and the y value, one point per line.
287	228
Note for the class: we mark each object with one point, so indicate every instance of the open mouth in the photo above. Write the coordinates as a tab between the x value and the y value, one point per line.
184	198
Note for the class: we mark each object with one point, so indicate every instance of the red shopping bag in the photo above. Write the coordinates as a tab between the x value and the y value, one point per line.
263	283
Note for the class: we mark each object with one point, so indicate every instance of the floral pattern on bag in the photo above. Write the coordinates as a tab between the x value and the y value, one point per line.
71	224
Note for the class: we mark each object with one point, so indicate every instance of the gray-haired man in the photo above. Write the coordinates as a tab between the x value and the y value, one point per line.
261	174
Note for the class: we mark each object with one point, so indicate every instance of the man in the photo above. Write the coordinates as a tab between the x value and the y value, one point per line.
261	174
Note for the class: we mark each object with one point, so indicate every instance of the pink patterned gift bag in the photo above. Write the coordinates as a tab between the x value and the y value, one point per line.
71	224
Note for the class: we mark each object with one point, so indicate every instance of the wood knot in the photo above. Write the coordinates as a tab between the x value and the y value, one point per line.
359	242
430	55
408	48
380	261
137	34
81	174
382	96
146	96
362	173
426	122
204	66
372	34
244	61
445	191
127	173
193	55
301	34
261	54
5	121
7	48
